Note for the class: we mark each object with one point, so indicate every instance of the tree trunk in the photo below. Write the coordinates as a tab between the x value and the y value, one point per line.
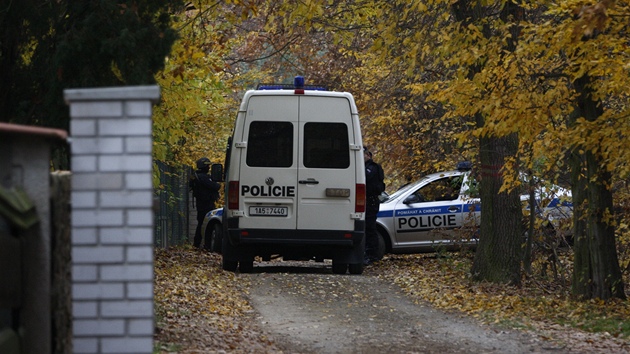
581	263
527	256
498	256
596	266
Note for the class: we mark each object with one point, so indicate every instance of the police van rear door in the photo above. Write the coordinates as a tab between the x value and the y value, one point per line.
327	173
268	168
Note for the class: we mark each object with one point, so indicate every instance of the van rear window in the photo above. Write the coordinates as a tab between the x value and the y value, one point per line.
270	144
326	145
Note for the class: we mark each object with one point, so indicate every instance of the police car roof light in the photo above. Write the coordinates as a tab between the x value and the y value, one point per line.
464	166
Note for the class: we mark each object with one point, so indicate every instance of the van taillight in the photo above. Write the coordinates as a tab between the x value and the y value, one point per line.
233	195
359	204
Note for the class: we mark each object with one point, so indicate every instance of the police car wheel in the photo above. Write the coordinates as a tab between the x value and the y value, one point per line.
382	247
339	268
355	268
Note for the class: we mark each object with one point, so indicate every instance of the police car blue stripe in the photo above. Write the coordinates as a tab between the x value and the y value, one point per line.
555	202
476	207
429	210
385	214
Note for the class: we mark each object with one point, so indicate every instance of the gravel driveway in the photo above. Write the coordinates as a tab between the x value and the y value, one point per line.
305	308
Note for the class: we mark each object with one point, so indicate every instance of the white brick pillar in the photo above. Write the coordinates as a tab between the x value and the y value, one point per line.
112	218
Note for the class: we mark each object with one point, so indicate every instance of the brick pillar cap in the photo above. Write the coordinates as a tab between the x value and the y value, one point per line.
121	93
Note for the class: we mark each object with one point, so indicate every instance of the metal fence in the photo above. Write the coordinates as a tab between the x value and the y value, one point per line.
172	212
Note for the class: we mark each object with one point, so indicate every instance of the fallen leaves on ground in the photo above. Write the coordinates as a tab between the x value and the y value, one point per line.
202	309
540	304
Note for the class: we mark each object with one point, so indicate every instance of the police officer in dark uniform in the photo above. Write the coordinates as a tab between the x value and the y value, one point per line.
206	193
374	186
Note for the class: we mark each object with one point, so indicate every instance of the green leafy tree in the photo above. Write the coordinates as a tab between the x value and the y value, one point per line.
48	46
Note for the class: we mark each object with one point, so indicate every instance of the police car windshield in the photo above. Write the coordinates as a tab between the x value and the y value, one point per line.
403	189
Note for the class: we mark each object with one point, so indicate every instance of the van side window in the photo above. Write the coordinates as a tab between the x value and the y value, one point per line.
326	145
270	144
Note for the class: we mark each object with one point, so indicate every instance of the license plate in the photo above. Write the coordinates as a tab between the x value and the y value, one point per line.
268	211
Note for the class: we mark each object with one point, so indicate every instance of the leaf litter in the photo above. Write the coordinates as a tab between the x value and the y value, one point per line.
202	309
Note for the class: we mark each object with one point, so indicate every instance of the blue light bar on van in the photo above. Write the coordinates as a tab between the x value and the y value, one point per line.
273	87
298	84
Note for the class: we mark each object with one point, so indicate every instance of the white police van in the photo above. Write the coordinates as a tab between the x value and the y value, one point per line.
295	179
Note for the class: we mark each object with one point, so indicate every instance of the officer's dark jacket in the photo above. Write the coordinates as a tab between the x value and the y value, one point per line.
373	178
205	190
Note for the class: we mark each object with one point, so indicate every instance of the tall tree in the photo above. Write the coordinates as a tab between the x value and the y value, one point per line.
47	46
498	255
596	272
596	267
200	88
580	58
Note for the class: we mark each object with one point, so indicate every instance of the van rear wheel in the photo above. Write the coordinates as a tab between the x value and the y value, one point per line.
246	266
355	268
229	265
339	268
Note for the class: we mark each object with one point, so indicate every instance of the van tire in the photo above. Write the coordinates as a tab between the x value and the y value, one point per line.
339	268
246	266
229	265
216	238
355	268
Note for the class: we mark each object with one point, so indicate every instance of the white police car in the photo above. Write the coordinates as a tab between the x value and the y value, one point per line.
439	211
443	210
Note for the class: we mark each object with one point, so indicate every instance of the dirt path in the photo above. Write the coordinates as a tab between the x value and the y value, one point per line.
305	308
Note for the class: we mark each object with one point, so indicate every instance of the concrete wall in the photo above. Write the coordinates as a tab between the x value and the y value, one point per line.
25	164
112	219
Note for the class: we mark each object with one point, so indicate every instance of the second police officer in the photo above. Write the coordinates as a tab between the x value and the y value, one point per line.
206	193
374	185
